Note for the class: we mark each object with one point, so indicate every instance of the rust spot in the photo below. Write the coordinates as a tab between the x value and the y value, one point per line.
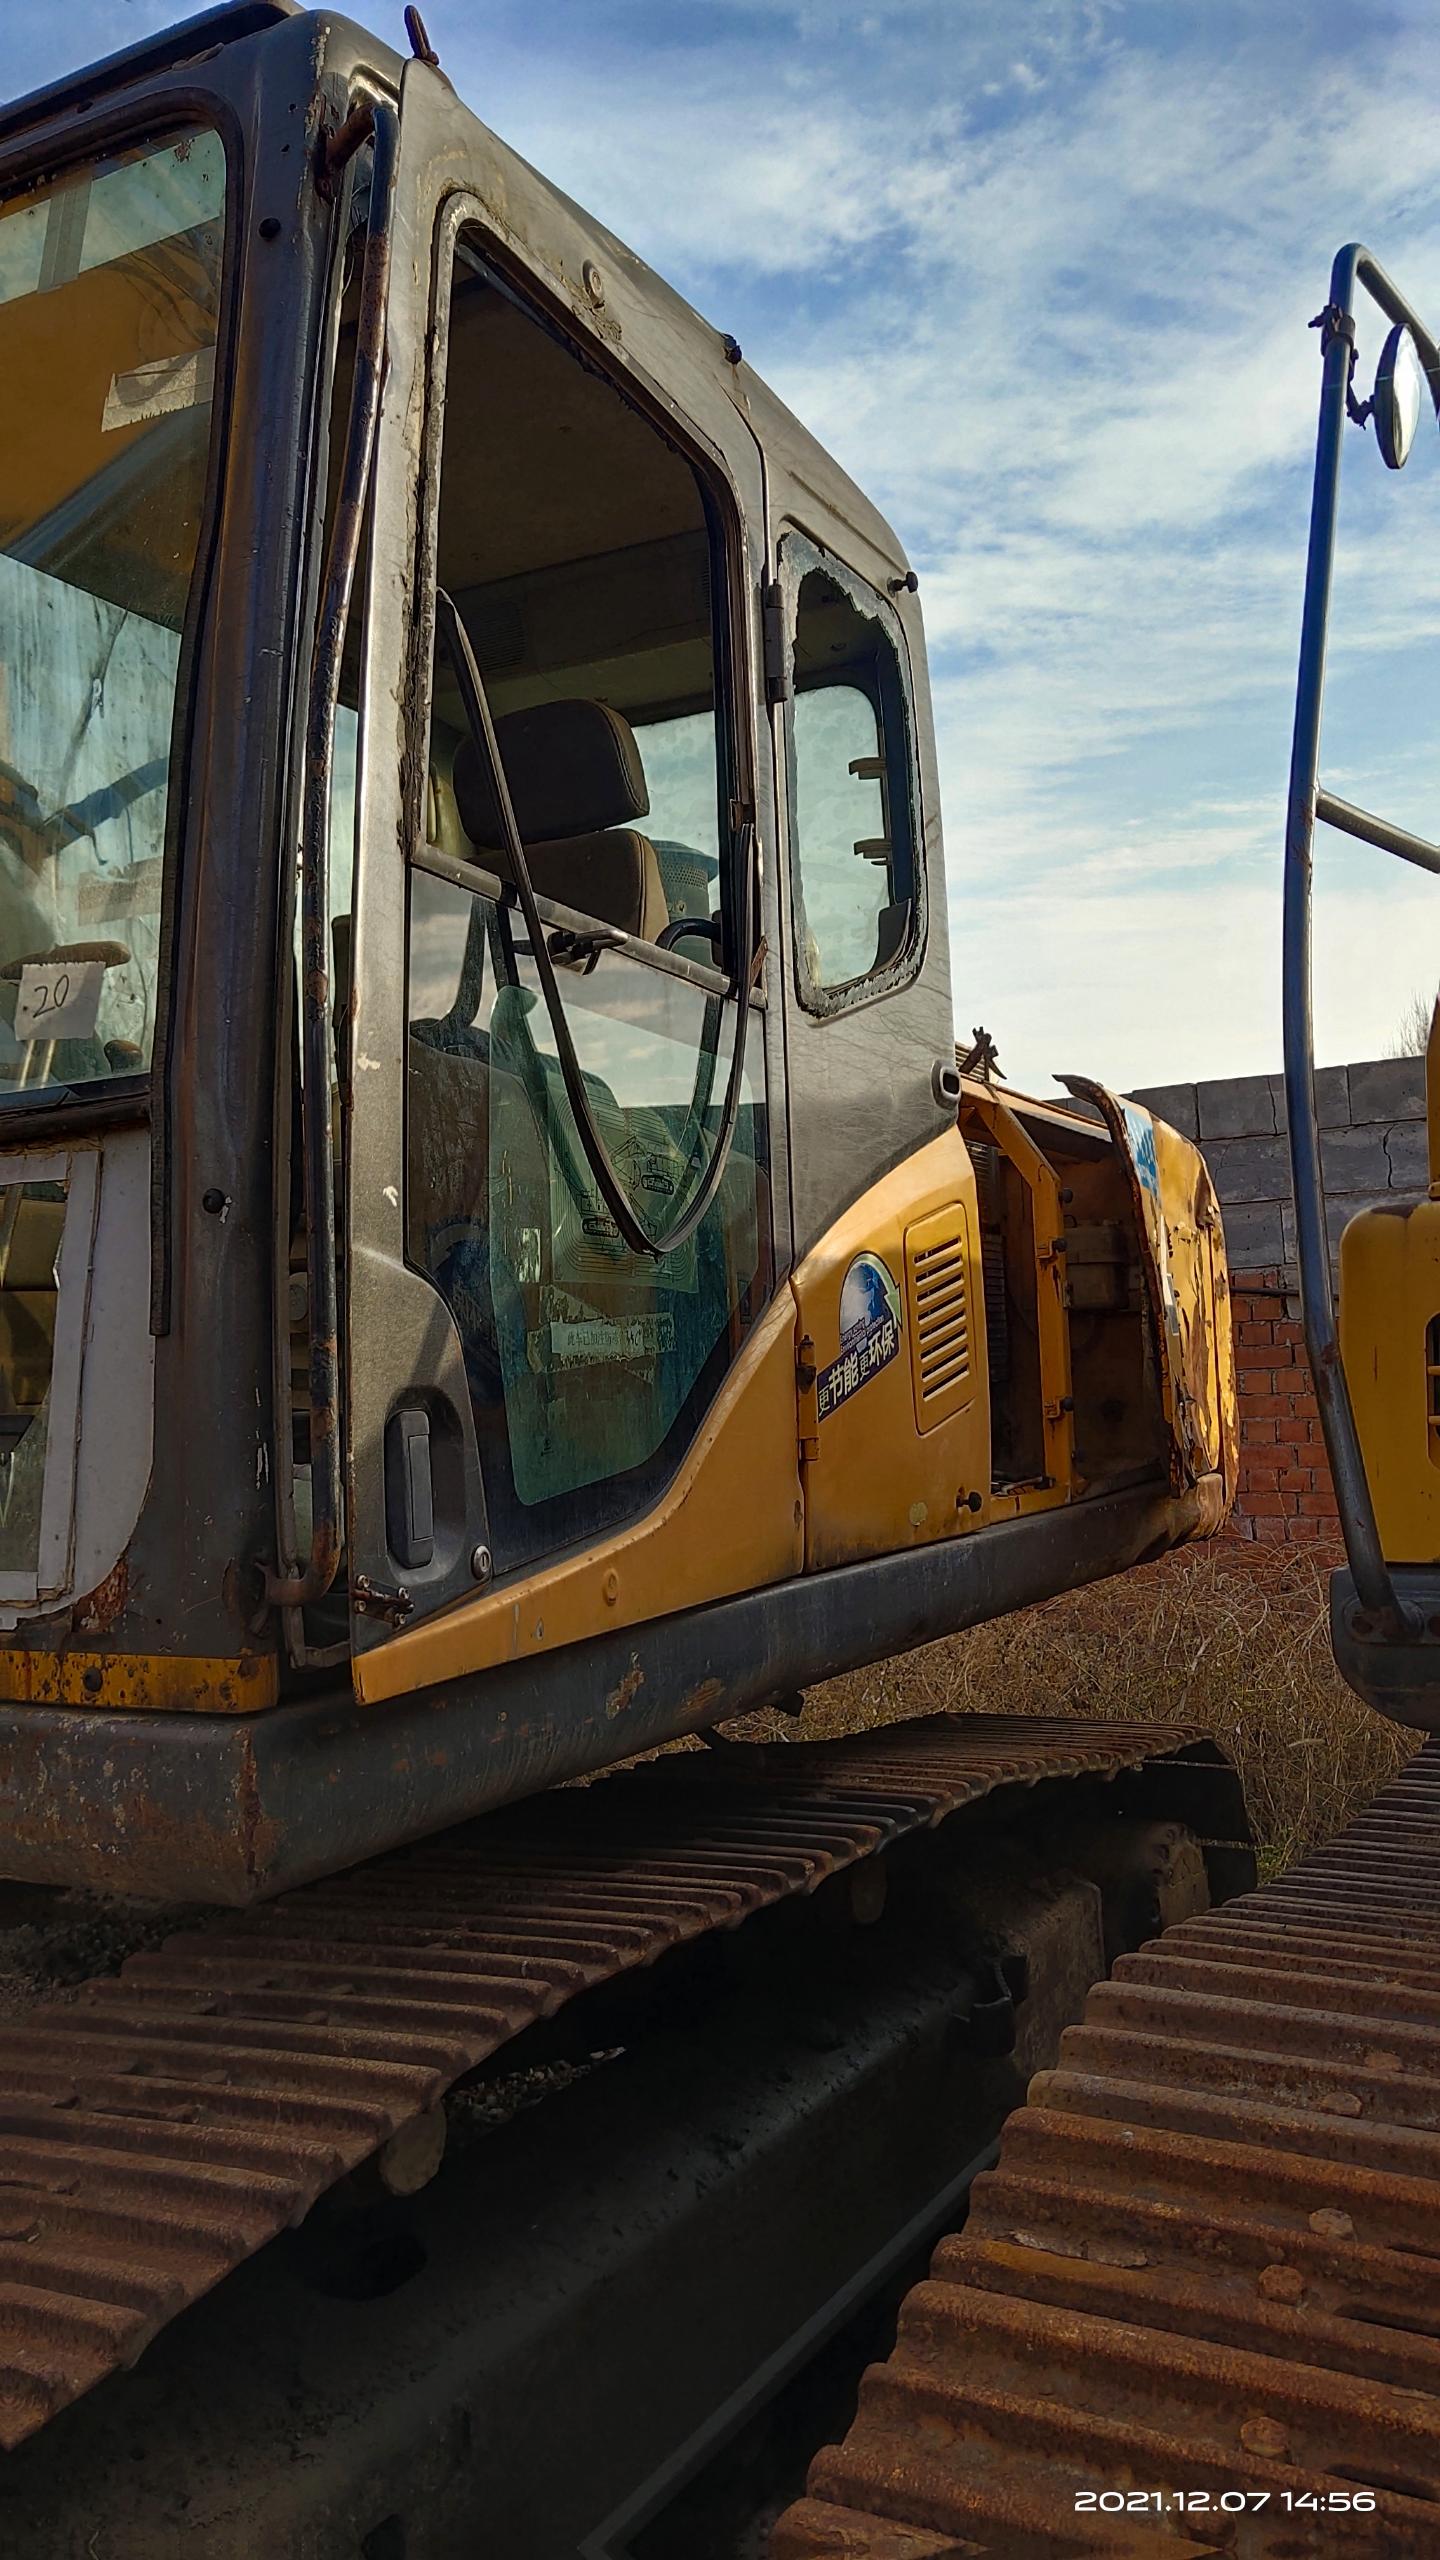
257	1831
700	1701
104	1607
626	1690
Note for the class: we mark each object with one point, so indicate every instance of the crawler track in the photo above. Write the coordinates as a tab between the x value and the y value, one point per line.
1209	2258
161	2126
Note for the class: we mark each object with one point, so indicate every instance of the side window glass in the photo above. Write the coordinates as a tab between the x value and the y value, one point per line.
589	1366
858	888
110	281
585	559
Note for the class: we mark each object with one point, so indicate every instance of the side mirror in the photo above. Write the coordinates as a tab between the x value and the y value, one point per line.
1395	406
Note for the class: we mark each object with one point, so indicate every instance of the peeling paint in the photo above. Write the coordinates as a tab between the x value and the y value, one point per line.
626	1690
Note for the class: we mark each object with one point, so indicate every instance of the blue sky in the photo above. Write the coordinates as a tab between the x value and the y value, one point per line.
1040	275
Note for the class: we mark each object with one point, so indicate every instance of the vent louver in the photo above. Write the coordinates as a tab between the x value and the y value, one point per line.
937	1273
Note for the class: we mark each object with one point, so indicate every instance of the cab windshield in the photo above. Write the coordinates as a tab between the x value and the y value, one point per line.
109	301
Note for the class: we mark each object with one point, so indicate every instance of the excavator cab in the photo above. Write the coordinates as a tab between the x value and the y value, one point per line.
1376	1365
499	1266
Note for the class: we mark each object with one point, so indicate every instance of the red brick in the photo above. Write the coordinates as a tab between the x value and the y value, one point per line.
1271	1533
1251	1356
1292	1426
1264	1467
1260	1433
1265	1506
1296	1480
1264	1406
1305	1531
1319	1506
1255	1329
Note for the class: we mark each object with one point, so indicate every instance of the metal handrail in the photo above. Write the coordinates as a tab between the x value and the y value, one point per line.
1374	1586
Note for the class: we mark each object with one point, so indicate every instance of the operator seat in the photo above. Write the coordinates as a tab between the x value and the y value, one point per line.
578	785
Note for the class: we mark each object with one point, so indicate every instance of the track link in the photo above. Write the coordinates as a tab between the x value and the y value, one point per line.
1208	2260
165	2122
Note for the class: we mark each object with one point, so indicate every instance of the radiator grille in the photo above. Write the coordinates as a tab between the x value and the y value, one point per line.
937	1271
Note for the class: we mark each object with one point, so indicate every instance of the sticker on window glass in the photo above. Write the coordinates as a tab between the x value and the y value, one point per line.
59	1000
155	390
108	896
869	1331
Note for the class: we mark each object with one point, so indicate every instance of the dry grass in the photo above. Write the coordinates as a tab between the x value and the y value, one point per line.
1234	1638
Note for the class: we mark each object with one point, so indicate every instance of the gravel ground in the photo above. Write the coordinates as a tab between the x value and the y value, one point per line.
51	1939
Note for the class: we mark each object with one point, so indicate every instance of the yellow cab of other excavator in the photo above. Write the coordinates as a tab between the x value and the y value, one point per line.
1389	1317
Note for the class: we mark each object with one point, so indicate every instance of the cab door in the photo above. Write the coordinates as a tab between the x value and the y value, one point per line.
556	458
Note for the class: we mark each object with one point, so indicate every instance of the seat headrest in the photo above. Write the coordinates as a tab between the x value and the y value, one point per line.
572	767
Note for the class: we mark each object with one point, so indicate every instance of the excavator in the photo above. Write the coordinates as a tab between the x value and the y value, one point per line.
503	1269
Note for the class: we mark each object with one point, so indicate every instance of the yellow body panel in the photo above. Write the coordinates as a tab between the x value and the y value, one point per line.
1204	1412
1178	1220
1390	1345
730	1521
887	1467
189	1684
856	1422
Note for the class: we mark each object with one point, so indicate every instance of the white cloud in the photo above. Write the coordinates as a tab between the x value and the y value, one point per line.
1040	276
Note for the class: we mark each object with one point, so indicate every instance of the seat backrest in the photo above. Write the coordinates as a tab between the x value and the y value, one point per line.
612	875
577	785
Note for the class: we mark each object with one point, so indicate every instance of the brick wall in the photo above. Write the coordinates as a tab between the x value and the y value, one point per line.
1373	1148
1285	1494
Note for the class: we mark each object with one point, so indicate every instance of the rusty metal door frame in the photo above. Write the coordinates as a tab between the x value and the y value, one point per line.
452	174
